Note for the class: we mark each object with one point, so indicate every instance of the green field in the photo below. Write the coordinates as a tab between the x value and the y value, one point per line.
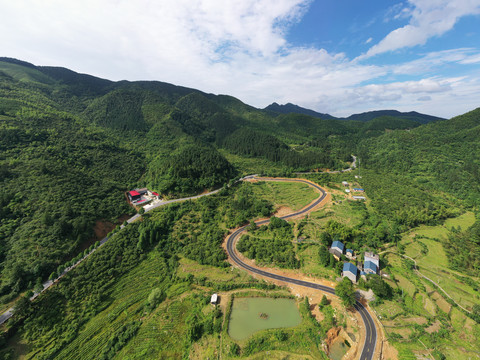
292	195
308	255
454	335
250	165
347	212
434	264
129	297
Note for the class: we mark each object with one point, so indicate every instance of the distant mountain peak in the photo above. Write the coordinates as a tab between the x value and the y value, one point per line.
290	108
411	115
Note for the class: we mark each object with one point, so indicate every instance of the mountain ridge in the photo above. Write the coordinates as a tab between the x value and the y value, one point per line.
290	108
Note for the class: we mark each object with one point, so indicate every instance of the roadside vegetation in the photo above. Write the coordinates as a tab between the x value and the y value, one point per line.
72	144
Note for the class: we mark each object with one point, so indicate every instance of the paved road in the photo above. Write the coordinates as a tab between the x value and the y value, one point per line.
370	328
47	284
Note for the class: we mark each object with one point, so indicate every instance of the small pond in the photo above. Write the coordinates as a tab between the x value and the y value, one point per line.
338	349
250	315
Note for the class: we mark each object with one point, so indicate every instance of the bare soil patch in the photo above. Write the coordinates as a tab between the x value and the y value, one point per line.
441	302
283	210
434	327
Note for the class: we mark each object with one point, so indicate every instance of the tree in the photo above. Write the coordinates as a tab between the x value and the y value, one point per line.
324	256
339	267
380	287
141	211
52	276
156	297
22	306
38	286
345	291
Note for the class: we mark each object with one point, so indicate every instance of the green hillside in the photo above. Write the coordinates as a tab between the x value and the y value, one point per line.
443	156
72	144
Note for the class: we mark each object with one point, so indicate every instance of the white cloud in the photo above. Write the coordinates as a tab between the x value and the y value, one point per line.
369	40
425	98
429	18
235	47
474	59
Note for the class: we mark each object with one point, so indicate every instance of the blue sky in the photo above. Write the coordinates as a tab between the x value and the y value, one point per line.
340	57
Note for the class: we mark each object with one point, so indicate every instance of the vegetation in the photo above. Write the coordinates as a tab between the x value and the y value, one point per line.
346	292
463	249
72	144
270	245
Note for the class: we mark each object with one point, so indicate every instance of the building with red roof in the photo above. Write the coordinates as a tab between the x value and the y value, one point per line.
134	195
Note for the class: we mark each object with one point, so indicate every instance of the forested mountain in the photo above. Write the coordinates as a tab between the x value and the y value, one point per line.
72	144
413	116
290	108
443	155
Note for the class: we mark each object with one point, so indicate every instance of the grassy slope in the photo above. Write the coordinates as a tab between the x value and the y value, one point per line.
292	195
160	331
423	304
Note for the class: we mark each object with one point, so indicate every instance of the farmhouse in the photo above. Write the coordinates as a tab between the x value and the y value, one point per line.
350	271
358	190
372	257
363	275
344	183
337	250
349	254
370	267
142	191
134	195
355	197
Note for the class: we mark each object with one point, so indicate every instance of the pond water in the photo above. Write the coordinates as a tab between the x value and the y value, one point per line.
338	349
250	315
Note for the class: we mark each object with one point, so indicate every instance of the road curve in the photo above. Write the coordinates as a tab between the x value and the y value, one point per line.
370	328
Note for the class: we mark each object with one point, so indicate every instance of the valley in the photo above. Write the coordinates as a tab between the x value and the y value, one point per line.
72	145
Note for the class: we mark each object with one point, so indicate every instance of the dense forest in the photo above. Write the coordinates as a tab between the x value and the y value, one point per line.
71	145
191	229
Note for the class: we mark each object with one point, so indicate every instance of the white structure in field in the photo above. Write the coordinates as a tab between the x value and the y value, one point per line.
214	299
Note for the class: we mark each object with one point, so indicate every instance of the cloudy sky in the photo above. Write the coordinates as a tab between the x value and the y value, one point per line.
340	57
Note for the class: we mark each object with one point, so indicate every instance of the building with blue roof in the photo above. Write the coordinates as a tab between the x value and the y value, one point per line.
369	256
337	249
337	245
370	267
349	254
350	271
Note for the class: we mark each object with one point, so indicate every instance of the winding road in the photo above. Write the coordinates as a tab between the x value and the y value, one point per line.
369	324
370	328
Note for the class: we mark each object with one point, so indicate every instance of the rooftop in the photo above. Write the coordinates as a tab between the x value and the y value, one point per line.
370	265
371	255
338	244
350	267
